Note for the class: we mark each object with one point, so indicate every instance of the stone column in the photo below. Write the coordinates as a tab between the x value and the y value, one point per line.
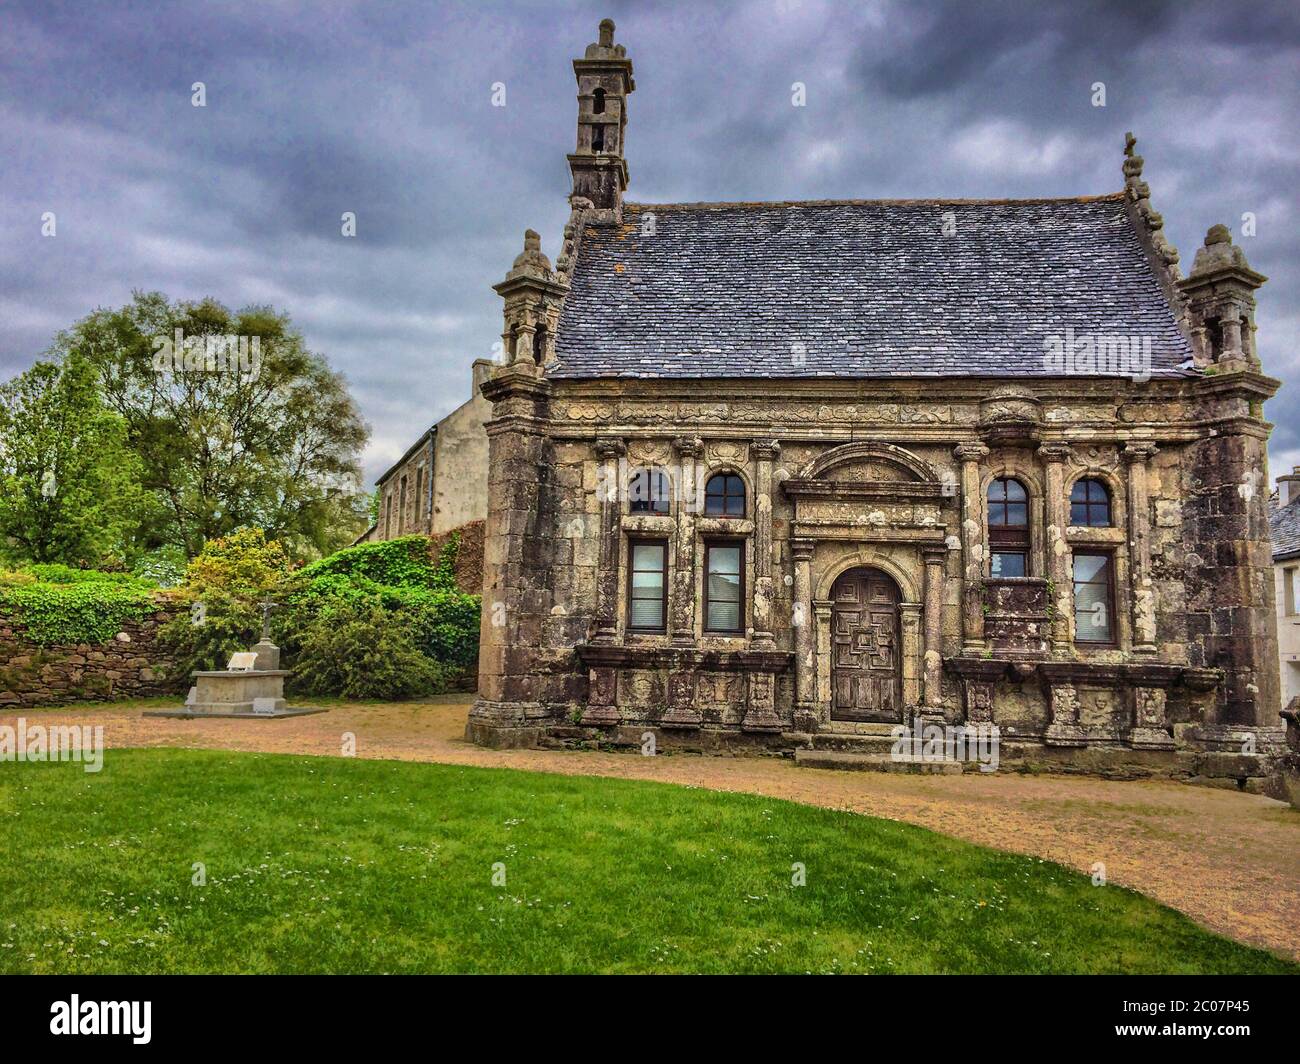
823	608
1061	599
764	453
1136	455
934	557
610	489
805	649
689	451
510	706
972	544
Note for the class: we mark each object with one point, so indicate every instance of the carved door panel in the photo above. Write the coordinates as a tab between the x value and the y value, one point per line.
865	672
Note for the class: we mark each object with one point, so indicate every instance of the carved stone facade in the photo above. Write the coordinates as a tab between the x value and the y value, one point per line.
900	545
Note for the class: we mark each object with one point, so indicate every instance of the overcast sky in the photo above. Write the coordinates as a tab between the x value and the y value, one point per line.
385	109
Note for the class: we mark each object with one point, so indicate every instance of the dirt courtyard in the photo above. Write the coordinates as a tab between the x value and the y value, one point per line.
1229	860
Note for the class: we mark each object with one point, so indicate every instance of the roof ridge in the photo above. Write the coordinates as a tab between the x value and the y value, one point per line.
1103	198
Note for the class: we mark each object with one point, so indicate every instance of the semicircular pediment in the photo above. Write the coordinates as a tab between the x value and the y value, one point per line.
869	461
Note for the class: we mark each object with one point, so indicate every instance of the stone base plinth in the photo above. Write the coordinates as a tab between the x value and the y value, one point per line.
279	714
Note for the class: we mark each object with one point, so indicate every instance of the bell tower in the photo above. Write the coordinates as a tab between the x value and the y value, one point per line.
604	80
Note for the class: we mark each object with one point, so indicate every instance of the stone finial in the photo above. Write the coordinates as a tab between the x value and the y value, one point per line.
1218	253
604	47
531	258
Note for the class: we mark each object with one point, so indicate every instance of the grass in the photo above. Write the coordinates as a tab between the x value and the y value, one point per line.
341	865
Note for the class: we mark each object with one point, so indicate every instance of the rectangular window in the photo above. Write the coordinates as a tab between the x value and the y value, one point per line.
1007	563
401	505
647	596
388	516
1094	598
724	587
1288	590
419	499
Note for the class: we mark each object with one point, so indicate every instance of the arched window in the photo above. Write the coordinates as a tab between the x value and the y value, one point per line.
648	492
598	138
724	496
1090	503
1008	528
539	344
598	102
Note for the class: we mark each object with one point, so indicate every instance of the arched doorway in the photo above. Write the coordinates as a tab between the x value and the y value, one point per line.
866	682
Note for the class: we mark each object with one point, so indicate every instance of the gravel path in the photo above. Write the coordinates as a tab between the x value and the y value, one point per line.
1229	860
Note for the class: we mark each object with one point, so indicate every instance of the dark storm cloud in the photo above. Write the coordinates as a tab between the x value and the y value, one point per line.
385	109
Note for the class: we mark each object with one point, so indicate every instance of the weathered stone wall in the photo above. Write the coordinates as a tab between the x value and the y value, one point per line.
460	461
130	665
901	491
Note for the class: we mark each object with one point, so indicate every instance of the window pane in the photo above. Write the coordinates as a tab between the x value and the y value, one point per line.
647	613
724	587
1078	513
1015	490
723	615
1079	493
1091	567
648	582
1017	514
1005	563
1092	614
1092	622
724	560
648	556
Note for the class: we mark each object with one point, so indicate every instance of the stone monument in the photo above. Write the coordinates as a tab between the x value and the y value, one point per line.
251	685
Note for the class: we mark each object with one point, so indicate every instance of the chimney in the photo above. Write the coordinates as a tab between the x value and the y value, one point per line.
481	370
1288	487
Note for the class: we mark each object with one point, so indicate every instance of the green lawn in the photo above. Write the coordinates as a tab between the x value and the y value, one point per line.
339	865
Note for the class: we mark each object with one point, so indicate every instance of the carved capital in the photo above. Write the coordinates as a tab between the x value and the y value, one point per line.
934	555
802	549
688	446
1055	452
970	452
1138	451
608	447
765	450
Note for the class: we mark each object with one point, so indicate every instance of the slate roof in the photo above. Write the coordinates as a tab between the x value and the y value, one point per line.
870	288
1284	527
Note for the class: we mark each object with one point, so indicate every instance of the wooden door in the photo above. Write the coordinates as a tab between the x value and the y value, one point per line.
865	675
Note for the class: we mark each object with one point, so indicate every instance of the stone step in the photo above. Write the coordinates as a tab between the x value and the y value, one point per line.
855	762
852	744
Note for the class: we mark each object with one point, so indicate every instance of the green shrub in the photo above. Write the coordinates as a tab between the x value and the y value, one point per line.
86	612
361	651
398	576
244	564
203	638
395	562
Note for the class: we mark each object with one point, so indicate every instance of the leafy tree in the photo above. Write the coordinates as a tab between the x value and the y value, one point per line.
237	423
70	486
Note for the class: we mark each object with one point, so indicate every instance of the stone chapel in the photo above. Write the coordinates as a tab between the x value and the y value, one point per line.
784	475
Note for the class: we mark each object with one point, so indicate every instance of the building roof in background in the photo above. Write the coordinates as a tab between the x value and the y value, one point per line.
1284	527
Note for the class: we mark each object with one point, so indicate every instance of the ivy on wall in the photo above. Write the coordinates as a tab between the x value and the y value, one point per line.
85	612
